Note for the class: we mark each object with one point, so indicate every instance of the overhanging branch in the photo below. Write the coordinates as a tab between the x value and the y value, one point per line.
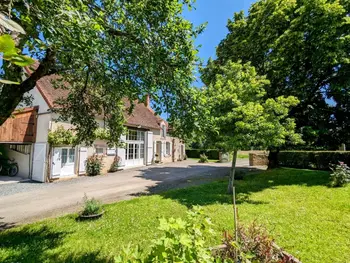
44	69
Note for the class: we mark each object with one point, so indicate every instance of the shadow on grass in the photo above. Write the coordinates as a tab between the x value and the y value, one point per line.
30	244
168	178
215	192
90	257
5	225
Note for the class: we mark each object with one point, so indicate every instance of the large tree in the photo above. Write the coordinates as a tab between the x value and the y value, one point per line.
103	51
302	46
239	115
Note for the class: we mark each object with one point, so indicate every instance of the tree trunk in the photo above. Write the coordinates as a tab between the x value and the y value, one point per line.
11	95
232	173
273	159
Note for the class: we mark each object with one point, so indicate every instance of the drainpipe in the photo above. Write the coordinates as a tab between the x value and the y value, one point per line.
173	150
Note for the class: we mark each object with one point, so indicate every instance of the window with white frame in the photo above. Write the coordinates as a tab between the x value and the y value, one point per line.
168	148
163	130
100	150
134	135
68	156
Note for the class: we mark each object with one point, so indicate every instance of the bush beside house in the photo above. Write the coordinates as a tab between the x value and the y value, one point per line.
312	159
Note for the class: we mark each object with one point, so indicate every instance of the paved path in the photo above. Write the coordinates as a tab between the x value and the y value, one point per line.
39	201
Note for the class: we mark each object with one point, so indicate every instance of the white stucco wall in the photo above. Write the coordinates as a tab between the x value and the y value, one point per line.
38	100
23	161
43	127
175	146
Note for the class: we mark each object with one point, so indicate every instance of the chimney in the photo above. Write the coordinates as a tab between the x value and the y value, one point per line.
148	101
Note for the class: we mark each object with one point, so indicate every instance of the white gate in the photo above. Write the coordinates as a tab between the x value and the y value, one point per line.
82	160
39	162
56	162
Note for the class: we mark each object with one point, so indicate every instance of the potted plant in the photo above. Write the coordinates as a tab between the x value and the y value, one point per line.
92	209
157	160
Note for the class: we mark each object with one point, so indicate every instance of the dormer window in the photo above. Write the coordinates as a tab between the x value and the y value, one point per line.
163	130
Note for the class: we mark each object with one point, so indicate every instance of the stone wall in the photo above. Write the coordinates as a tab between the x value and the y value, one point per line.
258	159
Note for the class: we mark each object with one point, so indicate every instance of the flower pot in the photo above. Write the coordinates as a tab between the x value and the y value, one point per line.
91	217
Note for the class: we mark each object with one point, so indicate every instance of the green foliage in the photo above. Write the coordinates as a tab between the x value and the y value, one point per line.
181	241
94	165
91	206
61	136
102	134
275	199
241	118
11	54
242	156
203	158
195	153
319	160
302	48
340	176
108	53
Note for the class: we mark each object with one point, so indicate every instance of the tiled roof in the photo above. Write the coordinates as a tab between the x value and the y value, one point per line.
47	90
142	116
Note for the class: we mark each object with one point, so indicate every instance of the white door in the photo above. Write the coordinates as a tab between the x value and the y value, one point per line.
68	161
56	162
149	147
63	161
134	154
135	148
82	160
39	159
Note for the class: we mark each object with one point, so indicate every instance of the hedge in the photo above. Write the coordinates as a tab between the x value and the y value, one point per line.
211	154
319	160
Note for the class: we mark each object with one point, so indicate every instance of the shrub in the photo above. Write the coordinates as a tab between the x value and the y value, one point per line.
203	158
185	241
340	175
94	165
253	245
181	241
116	163
91	206
312	159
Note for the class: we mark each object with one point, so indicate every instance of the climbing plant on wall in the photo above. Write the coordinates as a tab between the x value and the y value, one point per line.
61	136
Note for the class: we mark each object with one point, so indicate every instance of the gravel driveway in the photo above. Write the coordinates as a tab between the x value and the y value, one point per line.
29	201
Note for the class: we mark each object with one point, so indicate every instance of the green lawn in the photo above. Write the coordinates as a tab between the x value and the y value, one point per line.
210	160
242	156
306	217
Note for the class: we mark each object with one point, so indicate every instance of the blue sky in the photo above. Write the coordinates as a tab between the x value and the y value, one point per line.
216	13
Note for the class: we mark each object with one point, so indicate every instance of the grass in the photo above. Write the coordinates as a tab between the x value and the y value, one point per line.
242	156
306	217
209	160
239	156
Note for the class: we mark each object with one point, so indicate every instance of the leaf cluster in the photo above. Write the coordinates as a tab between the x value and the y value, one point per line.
240	115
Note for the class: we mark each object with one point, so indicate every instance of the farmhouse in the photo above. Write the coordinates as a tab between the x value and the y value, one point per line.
25	138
